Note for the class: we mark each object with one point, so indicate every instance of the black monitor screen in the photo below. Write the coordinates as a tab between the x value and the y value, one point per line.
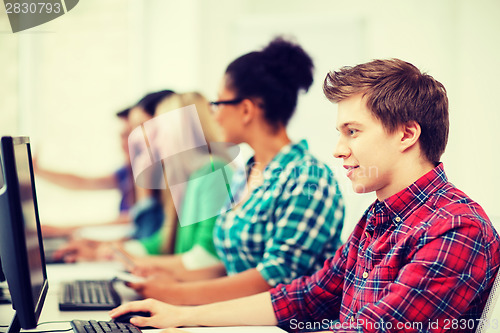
2	277
21	246
29	217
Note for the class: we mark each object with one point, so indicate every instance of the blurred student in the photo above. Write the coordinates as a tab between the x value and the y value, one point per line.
422	257
147	213
289	215
121	180
185	242
183	247
141	209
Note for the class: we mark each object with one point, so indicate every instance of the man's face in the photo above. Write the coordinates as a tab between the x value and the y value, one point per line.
370	154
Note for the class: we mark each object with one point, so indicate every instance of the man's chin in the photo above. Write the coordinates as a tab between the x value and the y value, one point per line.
359	188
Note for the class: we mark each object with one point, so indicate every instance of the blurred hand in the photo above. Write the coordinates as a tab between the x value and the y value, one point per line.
84	250
76	249
34	162
163	264
117	251
162	287
162	315
56	231
149	270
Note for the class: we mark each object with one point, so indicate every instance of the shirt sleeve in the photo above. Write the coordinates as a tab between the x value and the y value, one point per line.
317	296
308	219
445	273
198	258
198	234
202	204
135	247
152	244
205	236
447	270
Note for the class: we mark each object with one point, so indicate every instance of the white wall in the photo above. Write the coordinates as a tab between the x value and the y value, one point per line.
455	41
185	45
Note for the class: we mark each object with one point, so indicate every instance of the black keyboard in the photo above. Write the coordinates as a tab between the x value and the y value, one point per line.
88	295
92	326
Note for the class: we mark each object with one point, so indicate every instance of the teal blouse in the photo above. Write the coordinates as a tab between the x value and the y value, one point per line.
289	225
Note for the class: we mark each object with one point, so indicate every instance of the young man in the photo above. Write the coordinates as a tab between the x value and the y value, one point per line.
422	258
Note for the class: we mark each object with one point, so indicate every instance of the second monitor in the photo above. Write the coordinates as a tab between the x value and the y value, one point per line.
21	246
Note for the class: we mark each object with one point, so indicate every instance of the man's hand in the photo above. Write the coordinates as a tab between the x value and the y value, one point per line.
162	315
254	310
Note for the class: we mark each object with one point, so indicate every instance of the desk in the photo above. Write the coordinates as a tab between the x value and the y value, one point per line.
58	273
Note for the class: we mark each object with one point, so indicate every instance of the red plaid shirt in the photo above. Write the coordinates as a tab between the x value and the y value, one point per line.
423	260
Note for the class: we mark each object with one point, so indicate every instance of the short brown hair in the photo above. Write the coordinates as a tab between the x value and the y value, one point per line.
396	93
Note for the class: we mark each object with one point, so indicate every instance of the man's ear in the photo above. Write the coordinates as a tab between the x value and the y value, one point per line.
410	133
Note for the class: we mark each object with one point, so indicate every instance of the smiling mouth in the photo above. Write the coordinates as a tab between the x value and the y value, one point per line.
350	169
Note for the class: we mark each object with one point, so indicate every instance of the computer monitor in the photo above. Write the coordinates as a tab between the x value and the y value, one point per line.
21	246
2	276
3	298
4	295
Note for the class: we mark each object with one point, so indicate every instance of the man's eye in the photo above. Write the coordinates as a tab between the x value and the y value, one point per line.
352	131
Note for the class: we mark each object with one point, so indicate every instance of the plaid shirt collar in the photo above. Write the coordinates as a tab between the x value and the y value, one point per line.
274	168
402	204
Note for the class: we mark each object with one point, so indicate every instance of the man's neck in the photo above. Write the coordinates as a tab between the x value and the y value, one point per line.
408	172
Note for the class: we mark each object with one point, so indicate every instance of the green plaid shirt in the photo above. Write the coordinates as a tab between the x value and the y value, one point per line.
289	225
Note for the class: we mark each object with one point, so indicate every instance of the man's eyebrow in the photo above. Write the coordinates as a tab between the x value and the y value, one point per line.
347	124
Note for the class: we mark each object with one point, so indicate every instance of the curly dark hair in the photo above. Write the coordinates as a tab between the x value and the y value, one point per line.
274	76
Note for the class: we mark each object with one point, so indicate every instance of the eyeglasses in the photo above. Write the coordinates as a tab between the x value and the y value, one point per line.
215	105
